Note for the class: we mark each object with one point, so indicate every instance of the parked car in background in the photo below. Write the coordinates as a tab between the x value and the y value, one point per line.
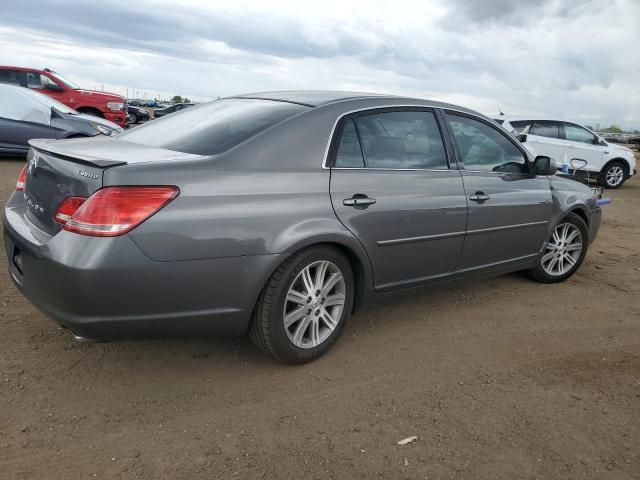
609	163
151	103
91	102
135	103
137	114
280	213
171	109
26	114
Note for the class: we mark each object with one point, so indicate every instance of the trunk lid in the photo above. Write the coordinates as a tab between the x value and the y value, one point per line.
74	168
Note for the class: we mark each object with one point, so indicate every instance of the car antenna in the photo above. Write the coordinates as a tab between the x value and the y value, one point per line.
501	112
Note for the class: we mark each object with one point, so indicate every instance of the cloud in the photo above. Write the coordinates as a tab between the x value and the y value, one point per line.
574	59
516	12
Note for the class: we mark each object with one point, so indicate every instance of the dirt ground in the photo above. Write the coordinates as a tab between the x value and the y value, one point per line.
501	379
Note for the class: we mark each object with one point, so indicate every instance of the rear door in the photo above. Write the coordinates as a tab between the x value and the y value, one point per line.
509	208
584	145
396	189
545	139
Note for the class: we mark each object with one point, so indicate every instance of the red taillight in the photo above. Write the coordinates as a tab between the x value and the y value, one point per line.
21	179
67	208
114	211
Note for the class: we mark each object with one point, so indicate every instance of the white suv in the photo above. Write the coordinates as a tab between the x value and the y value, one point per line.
574	146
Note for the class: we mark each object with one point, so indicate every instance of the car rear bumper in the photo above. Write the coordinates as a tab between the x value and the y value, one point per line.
107	288
119	118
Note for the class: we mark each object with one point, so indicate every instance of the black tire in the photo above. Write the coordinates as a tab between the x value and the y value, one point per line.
133	118
540	275
267	330
606	176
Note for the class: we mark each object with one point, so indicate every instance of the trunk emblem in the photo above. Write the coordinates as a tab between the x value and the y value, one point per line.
82	173
31	203
33	164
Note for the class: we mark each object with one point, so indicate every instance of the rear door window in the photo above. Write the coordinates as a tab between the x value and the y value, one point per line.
546	128
11	76
214	127
401	140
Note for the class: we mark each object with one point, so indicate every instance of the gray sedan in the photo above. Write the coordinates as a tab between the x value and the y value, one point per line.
25	114
280	214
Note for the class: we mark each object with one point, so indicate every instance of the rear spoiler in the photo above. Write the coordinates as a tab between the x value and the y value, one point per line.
105	152
51	146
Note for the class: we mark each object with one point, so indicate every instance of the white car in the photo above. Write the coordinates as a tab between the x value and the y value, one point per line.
574	146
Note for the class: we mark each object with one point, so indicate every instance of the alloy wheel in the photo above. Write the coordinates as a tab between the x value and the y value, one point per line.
563	250
314	304
614	176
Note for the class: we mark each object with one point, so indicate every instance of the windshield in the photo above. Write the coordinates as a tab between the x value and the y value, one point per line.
68	83
214	127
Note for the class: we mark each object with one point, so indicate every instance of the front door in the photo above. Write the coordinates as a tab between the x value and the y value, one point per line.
584	145
509	208
392	187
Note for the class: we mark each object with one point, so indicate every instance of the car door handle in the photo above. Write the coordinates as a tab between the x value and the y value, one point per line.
359	201
479	197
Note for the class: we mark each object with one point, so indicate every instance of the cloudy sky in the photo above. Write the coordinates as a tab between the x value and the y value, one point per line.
576	59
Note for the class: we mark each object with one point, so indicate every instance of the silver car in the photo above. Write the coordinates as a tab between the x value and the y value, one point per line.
280	214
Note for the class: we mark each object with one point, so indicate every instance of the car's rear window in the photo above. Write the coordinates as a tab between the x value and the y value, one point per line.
214	127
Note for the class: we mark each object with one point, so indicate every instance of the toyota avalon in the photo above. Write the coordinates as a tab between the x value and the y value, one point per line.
279	214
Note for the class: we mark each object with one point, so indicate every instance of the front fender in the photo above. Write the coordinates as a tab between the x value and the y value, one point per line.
570	196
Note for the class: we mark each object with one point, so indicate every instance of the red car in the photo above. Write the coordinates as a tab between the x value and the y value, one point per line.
101	104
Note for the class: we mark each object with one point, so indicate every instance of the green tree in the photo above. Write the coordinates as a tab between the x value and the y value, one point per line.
186	100
176	99
613	129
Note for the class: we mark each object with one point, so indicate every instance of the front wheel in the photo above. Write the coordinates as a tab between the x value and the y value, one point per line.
613	175
564	252
304	306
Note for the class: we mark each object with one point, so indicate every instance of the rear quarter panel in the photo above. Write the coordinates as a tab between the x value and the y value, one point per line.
268	195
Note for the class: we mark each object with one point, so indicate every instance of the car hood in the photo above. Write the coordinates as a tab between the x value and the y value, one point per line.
621	148
106	96
93	119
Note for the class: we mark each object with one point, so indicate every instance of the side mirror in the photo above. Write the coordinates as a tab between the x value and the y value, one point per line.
544	166
53	87
522	137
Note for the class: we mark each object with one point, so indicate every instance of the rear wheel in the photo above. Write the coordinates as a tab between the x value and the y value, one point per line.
613	175
303	309
564	251
133	118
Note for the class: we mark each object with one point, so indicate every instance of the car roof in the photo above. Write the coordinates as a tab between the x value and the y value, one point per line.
310	98
317	98
22	69
515	118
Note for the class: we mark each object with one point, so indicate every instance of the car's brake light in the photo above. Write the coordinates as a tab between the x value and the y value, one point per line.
21	179
114	211
67	208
